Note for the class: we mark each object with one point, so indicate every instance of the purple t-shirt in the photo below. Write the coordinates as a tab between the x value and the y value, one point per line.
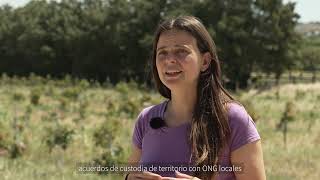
168	147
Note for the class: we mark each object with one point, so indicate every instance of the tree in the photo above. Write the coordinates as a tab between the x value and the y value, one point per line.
310	56
99	39
276	35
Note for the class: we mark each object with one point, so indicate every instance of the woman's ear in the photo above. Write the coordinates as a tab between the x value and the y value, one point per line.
206	60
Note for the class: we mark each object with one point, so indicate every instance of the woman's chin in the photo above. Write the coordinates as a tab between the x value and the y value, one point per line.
174	86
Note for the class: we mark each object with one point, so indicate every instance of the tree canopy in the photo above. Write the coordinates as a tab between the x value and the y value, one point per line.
100	39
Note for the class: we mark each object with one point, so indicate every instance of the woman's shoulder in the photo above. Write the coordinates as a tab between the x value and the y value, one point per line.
238	116
151	111
155	109
236	110
143	120
243	128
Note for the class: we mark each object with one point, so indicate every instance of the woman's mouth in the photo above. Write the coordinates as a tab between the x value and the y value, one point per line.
172	73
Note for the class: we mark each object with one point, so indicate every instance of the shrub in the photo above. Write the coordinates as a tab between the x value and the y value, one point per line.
18	96
123	88
35	96
287	116
250	109
105	134
130	106
84	84
300	94
60	135
16	149
110	157
63	103
9	142
83	108
5	136
72	93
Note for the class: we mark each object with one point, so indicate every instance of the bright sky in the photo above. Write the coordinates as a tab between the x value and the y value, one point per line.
307	9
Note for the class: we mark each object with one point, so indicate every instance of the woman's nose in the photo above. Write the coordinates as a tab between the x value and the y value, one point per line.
171	58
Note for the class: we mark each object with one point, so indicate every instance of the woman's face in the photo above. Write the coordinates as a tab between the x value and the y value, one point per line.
178	59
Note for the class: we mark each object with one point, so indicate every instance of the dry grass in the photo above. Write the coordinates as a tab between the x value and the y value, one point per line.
298	160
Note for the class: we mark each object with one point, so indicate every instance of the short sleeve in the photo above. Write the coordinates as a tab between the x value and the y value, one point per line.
243	128
138	131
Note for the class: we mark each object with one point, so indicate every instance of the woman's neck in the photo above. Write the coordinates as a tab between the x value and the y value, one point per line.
181	106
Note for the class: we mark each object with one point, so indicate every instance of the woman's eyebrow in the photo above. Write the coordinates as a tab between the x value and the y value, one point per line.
163	47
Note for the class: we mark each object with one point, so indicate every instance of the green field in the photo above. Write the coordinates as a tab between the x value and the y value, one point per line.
48	126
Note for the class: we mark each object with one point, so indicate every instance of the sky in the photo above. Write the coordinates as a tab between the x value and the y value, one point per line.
307	9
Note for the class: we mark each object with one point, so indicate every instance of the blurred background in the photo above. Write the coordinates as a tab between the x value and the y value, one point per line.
75	74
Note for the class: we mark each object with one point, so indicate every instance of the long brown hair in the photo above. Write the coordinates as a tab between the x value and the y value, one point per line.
210	130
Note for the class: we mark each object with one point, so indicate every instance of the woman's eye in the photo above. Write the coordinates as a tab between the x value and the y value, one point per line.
161	53
181	51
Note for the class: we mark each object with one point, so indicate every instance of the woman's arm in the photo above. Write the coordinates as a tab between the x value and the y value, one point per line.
250	157
135	154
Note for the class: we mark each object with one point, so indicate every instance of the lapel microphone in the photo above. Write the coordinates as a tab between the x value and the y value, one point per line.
157	122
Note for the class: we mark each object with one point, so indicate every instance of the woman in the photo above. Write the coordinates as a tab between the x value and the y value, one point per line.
200	124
